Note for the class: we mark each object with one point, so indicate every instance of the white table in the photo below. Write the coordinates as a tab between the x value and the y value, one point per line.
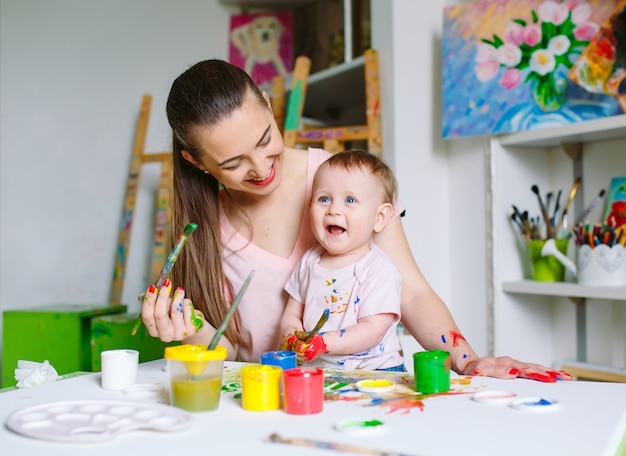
590	420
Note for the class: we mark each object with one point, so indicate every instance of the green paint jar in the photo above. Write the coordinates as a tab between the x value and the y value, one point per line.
432	371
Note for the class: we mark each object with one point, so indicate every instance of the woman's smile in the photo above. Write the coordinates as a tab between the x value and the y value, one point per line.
266	180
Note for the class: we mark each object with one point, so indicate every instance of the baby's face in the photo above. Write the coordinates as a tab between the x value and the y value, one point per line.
345	209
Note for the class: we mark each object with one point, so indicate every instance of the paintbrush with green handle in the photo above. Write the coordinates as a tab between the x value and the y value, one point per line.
219	332
169	263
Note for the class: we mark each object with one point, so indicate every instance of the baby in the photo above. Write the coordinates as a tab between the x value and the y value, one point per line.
352	200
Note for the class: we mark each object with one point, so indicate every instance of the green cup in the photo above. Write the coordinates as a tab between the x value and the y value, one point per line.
432	371
547	268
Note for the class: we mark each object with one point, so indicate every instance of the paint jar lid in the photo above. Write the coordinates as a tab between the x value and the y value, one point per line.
359	425
375	386
535	404
494	397
304	372
190	352
261	371
146	390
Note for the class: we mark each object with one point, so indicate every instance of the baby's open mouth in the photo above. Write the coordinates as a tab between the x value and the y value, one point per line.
335	229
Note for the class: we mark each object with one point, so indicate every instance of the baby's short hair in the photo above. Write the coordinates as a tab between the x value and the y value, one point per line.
360	159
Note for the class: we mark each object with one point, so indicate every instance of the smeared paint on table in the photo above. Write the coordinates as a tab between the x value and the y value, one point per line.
340	385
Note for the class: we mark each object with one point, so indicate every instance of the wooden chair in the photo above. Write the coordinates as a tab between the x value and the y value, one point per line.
334	138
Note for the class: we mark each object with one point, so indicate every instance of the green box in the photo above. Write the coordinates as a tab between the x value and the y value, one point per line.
110	332
60	333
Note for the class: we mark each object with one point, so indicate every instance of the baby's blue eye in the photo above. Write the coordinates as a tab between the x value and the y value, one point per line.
324	199
350	199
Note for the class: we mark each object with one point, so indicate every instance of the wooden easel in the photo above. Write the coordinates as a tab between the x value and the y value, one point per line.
138	159
333	139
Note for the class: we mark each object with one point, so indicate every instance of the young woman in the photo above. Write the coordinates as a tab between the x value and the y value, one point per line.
249	196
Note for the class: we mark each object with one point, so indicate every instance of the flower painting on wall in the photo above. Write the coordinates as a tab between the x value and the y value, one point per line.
506	65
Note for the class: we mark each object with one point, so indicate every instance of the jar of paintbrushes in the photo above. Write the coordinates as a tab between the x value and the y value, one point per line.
546	236
601	255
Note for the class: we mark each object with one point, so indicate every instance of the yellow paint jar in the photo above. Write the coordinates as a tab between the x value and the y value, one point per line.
195	376
260	387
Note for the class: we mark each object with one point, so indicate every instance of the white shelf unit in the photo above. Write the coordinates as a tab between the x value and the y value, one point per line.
336	95
551	322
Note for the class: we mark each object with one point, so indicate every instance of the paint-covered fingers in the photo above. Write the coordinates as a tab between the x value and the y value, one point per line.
307	351
162	314
543	374
148	302
506	368
192	319
178	327
315	348
503	367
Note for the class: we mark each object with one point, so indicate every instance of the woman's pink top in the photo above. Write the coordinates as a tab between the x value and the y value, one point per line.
262	305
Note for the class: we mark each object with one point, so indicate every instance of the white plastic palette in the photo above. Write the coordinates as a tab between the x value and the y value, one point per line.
94	421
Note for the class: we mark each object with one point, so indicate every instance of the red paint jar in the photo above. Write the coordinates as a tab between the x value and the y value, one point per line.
303	390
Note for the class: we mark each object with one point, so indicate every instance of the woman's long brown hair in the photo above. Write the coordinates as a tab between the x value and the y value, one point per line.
202	96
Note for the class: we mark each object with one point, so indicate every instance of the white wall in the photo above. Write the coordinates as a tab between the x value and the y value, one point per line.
72	75
441	182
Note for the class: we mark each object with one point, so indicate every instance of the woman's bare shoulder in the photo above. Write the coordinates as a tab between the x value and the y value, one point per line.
296	160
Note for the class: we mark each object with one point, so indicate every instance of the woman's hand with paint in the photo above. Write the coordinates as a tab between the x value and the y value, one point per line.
170	318
507	368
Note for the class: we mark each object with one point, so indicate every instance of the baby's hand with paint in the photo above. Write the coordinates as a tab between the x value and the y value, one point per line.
309	351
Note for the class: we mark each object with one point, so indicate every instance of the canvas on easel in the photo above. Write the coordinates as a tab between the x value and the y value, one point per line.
601	67
262	45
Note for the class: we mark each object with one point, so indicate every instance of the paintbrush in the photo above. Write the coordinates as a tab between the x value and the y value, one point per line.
590	208
275	438
557	206
548	200
169	263
306	336
570	198
524	221
219	332
521	226
544	212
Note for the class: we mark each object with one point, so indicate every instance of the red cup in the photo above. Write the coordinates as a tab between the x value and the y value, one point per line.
303	390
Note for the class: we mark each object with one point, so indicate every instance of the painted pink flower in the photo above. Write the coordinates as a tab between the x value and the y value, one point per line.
514	34
485	52
532	34
586	31
571	4
550	11
511	78
509	55
581	13
486	70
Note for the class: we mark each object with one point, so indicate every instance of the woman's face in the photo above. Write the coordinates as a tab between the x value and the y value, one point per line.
244	151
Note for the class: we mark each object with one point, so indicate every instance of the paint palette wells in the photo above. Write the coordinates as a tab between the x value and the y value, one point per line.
94	421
